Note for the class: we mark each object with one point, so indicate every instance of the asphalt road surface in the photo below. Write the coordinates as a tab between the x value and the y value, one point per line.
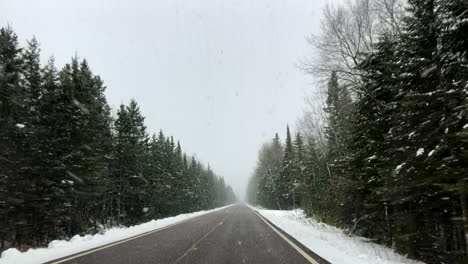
235	234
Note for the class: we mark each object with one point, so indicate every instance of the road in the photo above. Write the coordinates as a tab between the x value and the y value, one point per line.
235	234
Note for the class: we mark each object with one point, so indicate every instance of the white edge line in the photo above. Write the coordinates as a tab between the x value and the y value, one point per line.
298	249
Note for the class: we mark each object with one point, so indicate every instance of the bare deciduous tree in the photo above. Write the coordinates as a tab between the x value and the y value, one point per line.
348	32
390	14
312	123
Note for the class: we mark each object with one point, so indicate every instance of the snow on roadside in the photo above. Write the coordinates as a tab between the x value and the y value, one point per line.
330	242
61	248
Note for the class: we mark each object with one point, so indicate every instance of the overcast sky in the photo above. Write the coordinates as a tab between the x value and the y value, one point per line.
220	76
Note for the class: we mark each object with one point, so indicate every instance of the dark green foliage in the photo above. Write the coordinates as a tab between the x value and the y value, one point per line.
395	164
286	182
12	108
339	110
299	182
263	185
408	158
130	160
368	180
66	167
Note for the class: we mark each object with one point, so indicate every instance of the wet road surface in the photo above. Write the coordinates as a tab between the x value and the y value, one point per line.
236	234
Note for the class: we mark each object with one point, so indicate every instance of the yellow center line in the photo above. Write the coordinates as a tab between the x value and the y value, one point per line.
123	241
298	249
194	246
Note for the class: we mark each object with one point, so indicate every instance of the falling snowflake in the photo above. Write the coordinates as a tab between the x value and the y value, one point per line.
399	167
419	152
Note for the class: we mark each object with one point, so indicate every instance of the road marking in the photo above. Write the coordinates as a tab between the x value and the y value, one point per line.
298	249
194	246
125	240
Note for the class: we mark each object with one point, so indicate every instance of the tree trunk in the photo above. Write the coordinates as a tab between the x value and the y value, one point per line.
462	185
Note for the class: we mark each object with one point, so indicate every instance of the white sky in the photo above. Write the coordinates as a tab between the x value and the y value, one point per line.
220	76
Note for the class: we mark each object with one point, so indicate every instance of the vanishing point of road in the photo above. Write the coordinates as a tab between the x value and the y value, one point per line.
235	234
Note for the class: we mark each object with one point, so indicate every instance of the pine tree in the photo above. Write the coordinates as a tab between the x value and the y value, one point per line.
195	183
178	180
11	135
187	181
367	184
66	167
35	204
286	179
449	158
266	178
422	108
315	177
128	165
339	110
299	167
252	190
50	140
152	169
85	119
405	175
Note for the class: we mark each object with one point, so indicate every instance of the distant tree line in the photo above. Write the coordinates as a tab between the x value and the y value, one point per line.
386	156
68	167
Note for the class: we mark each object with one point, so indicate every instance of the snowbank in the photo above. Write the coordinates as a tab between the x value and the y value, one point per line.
331	243
62	248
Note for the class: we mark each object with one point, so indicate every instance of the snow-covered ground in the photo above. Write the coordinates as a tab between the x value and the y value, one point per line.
62	248
330	242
